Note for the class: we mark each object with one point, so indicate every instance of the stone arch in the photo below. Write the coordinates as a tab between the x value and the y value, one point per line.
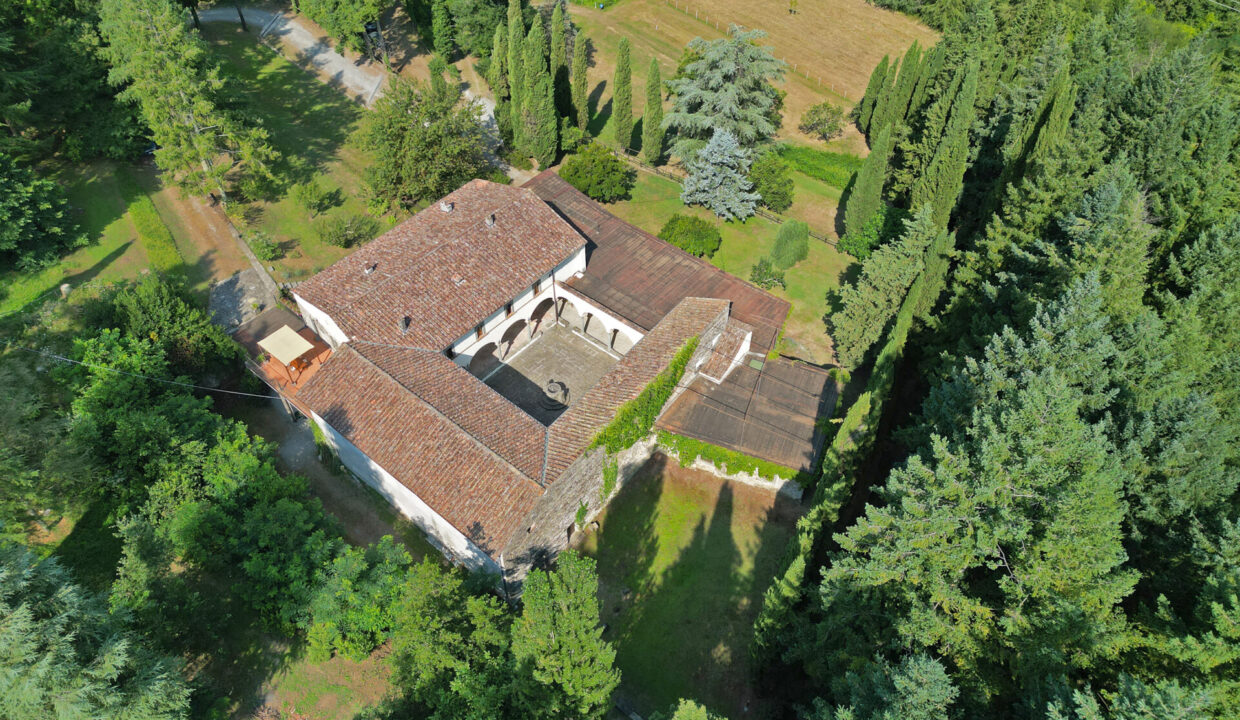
542	317
513	338
596	327
622	342
484	360
570	315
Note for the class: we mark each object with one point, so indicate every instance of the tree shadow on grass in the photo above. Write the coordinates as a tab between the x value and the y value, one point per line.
600	112
92	550
685	629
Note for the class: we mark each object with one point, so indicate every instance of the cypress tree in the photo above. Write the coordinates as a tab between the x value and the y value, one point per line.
516	40
581	98
652	120
865	111
867	192
441	27
884	100
929	69
622	99
537	140
497	72
944	178
897	109
559	60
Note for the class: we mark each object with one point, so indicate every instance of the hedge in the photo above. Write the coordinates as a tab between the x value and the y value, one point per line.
153	234
830	167
688	449
635	419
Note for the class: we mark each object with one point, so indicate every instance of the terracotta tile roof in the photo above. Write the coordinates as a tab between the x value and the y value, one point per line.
716	366
640	277
572	432
468	402
446	271
467	484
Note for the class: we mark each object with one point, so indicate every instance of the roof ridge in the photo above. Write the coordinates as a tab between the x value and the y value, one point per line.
442	416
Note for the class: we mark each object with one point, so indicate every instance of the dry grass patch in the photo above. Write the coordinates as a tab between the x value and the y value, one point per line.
837	41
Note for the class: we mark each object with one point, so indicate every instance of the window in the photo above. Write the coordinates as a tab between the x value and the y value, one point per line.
508	310
480	330
537	286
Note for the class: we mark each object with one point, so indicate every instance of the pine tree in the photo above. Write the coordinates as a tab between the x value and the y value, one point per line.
867	305
878	82
944	178
622	98
174	83
917	152
918	688
728	86
63	655
652	120
719	179
559	60
866	197
559	642
441	28
497	72
581	98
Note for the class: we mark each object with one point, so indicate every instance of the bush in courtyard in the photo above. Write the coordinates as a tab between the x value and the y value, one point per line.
265	248
596	172
765	275
824	121
692	234
772	179
347	230
791	244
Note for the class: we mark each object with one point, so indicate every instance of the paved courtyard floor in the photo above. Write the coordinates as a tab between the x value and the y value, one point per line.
558	355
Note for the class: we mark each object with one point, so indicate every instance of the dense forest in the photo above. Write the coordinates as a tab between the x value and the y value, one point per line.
1052	527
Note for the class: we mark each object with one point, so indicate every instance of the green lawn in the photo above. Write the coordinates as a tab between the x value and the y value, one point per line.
655	199
312	125
683	561
113	252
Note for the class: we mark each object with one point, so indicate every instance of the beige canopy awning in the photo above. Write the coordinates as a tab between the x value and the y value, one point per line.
285	345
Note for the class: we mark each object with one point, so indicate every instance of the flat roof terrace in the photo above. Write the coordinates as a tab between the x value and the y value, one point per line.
554	370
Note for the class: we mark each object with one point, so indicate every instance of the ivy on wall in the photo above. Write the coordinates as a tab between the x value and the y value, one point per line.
635	419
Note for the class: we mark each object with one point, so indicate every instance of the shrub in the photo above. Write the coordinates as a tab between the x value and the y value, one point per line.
153	234
884	225
692	234
347	230
830	167
791	244
265	248
611	476
823	121
772	179
596	172
311	196
635	418
765	275
583	511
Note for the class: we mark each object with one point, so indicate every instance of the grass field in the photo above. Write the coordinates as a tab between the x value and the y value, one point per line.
683	561
312	124
655	199
839	41
113	252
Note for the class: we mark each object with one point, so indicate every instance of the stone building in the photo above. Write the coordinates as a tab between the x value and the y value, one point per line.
475	353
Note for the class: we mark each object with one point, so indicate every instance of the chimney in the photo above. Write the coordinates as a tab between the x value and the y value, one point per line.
405	322
370	268
491	220
445	206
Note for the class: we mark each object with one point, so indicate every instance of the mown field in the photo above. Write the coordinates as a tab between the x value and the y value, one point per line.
837	41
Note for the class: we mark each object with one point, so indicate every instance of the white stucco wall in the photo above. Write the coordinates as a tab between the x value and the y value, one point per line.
454	545
321	323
